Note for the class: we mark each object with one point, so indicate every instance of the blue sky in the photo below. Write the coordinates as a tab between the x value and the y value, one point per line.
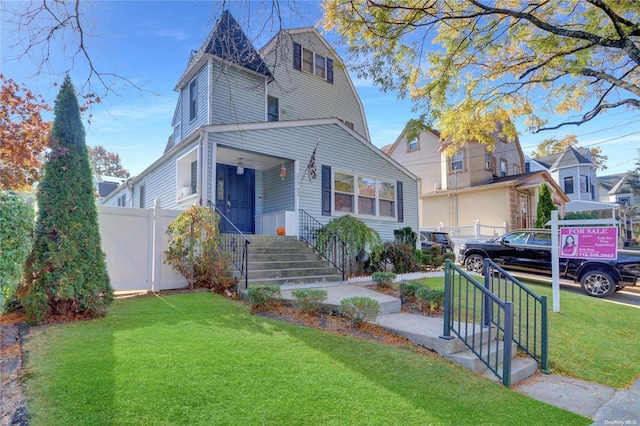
149	42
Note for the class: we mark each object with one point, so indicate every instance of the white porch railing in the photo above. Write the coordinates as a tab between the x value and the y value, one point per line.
268	223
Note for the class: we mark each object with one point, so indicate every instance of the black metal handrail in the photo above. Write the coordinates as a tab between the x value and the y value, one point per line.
325	242
235	244
478	317
531	330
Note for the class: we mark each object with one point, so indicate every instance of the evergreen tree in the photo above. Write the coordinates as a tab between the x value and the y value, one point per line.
66	273
545	205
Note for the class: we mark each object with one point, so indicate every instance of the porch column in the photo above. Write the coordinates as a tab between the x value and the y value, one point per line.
296	195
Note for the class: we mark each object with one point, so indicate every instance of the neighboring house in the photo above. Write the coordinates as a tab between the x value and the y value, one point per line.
573	170
105	185
264	134
616	189
473	184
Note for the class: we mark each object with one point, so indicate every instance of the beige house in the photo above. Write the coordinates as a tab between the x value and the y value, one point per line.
473	184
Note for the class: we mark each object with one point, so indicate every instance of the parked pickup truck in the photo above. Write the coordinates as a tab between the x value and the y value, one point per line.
529	250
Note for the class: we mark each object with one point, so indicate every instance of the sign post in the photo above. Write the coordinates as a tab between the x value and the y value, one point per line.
579	242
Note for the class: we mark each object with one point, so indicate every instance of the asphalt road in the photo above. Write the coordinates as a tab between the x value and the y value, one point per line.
629	296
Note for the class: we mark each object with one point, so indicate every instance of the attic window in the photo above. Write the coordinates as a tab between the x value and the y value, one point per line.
413	144
313	63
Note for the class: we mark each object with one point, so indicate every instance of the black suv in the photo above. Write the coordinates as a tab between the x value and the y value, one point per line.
529	250
439	238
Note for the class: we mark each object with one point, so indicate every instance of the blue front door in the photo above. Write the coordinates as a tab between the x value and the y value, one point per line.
235	196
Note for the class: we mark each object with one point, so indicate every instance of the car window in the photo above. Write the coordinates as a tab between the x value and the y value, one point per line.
441	238
541	239
516	238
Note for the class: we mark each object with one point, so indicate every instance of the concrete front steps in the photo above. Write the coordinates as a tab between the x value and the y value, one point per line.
281	260
423	330
426	332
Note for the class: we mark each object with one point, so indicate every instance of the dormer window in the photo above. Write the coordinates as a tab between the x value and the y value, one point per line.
311	62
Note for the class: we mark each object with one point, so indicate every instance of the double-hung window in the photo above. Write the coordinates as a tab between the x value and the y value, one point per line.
503	167
456	161
273	109
584	184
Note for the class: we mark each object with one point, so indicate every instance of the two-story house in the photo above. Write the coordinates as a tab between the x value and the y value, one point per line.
477	183
573	170
265	134
615	189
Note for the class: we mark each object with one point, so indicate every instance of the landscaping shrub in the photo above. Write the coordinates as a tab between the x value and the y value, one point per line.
426	259
450	256
406	235
195	250
263	296
360	309
429	299
400	255
16	226
410	289
383	279
309	300
66	271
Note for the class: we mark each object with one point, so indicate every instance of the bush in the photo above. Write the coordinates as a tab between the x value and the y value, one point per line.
410	289
357	236
262	296
406	235
383	279
16	226
360	309
195	250
429	299
450	256
400	255
309	300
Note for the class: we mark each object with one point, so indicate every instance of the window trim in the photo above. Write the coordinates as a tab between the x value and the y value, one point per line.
356	196
452	160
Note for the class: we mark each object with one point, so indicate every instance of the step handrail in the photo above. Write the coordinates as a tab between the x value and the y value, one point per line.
531	323
325	242
235	244
470	308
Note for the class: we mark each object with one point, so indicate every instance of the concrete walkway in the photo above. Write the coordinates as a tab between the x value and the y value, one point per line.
605	405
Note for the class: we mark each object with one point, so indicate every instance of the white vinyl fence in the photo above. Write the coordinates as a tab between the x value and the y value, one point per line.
135	242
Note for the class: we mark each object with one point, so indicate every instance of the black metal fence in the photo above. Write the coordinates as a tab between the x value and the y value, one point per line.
530	327
235	244
326	243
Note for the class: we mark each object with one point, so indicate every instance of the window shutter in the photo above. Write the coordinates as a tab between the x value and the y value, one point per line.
330	70
326	190
297	56
194	177
400	202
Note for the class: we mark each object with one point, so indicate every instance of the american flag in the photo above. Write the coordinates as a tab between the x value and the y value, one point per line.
312	166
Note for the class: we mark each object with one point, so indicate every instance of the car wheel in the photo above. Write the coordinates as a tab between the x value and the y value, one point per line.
474	263
598	283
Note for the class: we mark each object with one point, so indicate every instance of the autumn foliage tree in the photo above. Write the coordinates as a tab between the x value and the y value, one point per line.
106	163
469	65
23	135
66	273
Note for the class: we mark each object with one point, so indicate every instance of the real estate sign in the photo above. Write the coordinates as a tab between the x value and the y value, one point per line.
589	242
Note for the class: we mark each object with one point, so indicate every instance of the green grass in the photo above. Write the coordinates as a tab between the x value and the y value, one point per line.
591	339
200	359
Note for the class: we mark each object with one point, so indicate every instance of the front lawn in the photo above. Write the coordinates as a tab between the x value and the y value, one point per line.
202	359
590	338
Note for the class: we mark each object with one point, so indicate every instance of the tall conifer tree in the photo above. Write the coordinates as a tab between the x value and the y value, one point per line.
66	273
545	205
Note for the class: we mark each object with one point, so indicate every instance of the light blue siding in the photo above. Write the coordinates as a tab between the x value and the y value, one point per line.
188	125
305	96
238	96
